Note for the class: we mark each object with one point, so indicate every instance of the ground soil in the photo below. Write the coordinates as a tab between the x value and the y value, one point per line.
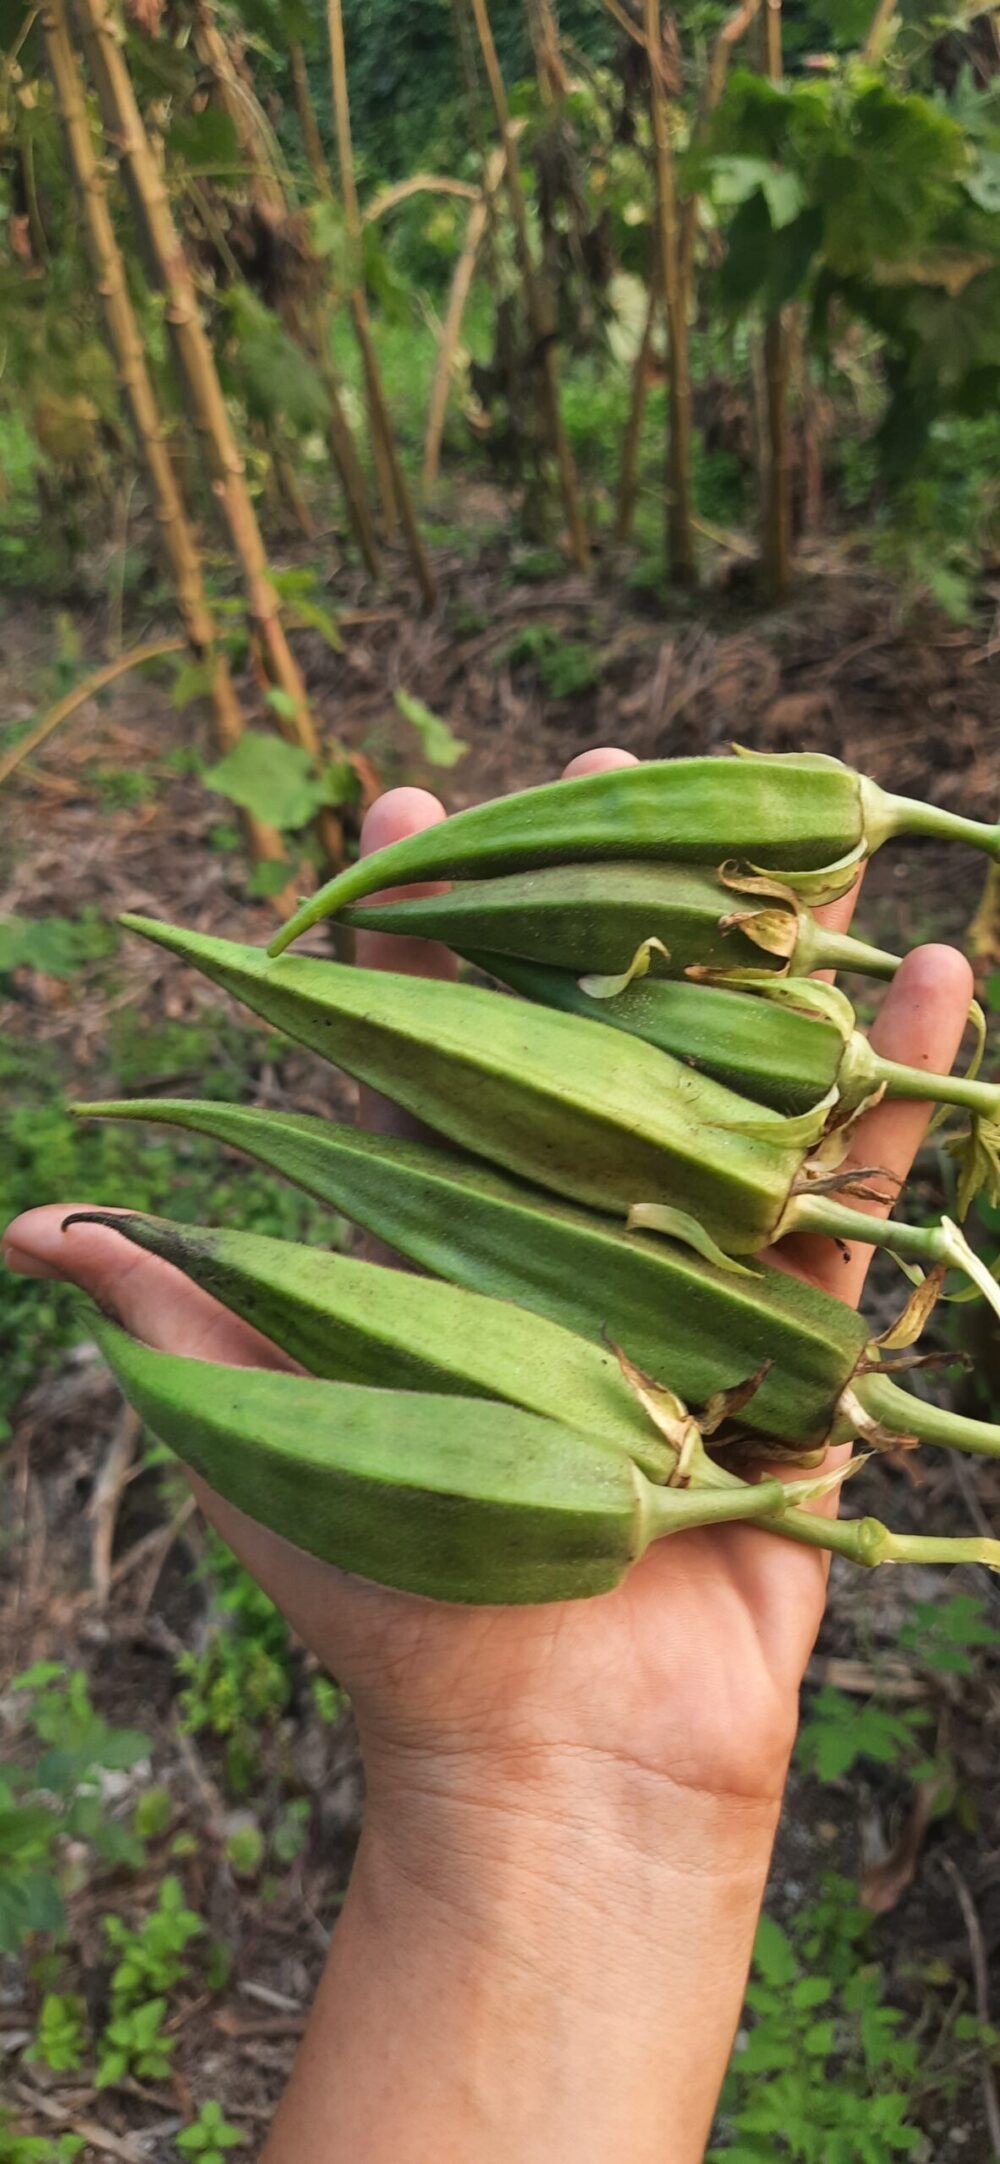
915	704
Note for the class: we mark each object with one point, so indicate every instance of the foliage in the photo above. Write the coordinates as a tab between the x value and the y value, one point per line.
276	781
150	1963
18	2148
242	1680
60	2040
876	202
826	2072
47	1154
56	1801
209	2136
441	747
841	1730
59	946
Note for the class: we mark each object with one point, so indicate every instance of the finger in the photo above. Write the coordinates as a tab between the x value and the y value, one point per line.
151	1299
600	761
399	813
921	1024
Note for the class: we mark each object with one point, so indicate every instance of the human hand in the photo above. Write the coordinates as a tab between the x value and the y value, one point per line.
666	1706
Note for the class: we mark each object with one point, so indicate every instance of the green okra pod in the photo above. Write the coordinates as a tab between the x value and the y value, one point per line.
681	1318
357	1322
456	1499
789	1056
591	1114
593	917
786	813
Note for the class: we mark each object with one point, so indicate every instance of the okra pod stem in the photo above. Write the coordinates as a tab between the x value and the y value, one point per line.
593	918
790	813
681	1319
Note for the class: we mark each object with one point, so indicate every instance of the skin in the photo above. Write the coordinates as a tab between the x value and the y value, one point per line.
570	1813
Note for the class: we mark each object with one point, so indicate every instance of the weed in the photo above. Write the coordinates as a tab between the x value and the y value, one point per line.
58	1800
209	2136
825	2072
840	1730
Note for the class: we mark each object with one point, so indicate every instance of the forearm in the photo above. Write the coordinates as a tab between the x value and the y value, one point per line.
548	1987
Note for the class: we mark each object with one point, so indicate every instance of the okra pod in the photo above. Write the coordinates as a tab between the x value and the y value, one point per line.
591	1114
356	1322
594	917
457	1499
790	1057
786	813
680	1317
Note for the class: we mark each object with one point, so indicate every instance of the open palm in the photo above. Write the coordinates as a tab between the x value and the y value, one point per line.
691	1668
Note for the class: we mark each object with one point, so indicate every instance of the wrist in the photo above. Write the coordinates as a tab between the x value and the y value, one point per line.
548	1983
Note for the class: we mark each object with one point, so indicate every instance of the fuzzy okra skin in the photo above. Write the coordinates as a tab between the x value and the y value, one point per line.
782	1057
786	813
591	1114
456	1499
357	1322
593	917
679	1317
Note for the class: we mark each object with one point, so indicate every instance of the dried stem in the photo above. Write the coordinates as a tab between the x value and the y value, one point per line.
680	535
461	286
628	484
308	122
540	313
128	351
776	555
193	353
392	481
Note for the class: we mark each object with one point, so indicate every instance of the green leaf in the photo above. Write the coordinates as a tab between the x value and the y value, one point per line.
268	877
273	780
441	747
193	680
773	1955
206	141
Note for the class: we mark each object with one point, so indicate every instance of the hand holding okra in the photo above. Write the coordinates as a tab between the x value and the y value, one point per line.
570	1808
562	1380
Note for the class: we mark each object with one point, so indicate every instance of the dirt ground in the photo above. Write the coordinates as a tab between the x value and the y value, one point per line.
915	705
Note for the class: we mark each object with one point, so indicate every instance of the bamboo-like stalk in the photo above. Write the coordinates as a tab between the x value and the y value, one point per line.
628	482
195	360
544	31
308	123
401	191
128	351
461	286
253	136
680	533
68	705
878	32
250	126
733	29
776	553
540	312
392	480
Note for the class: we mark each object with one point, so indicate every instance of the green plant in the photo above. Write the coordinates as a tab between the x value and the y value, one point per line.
840	1730
150	1962
241	1682
826	2072
209	2136
135	2043
947	1637
18	2148
60	2039
58	1799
